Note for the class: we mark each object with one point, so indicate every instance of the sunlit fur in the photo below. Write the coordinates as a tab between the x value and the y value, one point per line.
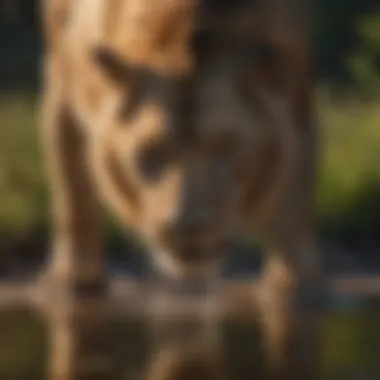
192	126
192	120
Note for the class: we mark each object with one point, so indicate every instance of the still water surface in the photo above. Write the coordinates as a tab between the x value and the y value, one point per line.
350	346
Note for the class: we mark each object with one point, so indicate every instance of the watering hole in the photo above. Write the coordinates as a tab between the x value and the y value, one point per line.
350	345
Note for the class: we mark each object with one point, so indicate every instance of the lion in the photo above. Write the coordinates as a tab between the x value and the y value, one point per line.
193	122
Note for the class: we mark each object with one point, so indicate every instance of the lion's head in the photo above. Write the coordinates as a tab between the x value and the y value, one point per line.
199	126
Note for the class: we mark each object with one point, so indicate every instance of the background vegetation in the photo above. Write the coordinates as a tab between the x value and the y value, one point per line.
347	46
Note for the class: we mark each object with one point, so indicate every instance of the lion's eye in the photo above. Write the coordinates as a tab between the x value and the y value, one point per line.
260	65
225	148
112	65
225	157
201	45
260	54
153	160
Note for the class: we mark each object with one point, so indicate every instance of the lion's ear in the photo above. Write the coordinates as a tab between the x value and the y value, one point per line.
111	64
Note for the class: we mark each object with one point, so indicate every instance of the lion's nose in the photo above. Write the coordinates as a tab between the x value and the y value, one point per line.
194	224
191	227
188	240
187	229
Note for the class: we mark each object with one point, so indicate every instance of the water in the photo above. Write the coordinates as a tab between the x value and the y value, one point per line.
350	347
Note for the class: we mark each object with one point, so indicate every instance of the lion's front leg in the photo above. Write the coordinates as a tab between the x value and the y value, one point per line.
289	296
76	257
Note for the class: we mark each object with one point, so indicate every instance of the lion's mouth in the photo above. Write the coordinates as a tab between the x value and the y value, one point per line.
189	259
169	267
195	253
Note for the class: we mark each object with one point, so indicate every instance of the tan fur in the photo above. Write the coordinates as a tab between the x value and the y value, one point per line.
103	56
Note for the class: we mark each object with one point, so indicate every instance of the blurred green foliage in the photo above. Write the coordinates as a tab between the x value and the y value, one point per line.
341	31
364	64
349	192
22	182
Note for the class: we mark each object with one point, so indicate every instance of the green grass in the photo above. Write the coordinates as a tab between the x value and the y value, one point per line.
23	197
349	192
349	187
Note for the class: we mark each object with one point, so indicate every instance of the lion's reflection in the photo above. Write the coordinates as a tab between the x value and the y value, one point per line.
180	347
185	362
78	339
